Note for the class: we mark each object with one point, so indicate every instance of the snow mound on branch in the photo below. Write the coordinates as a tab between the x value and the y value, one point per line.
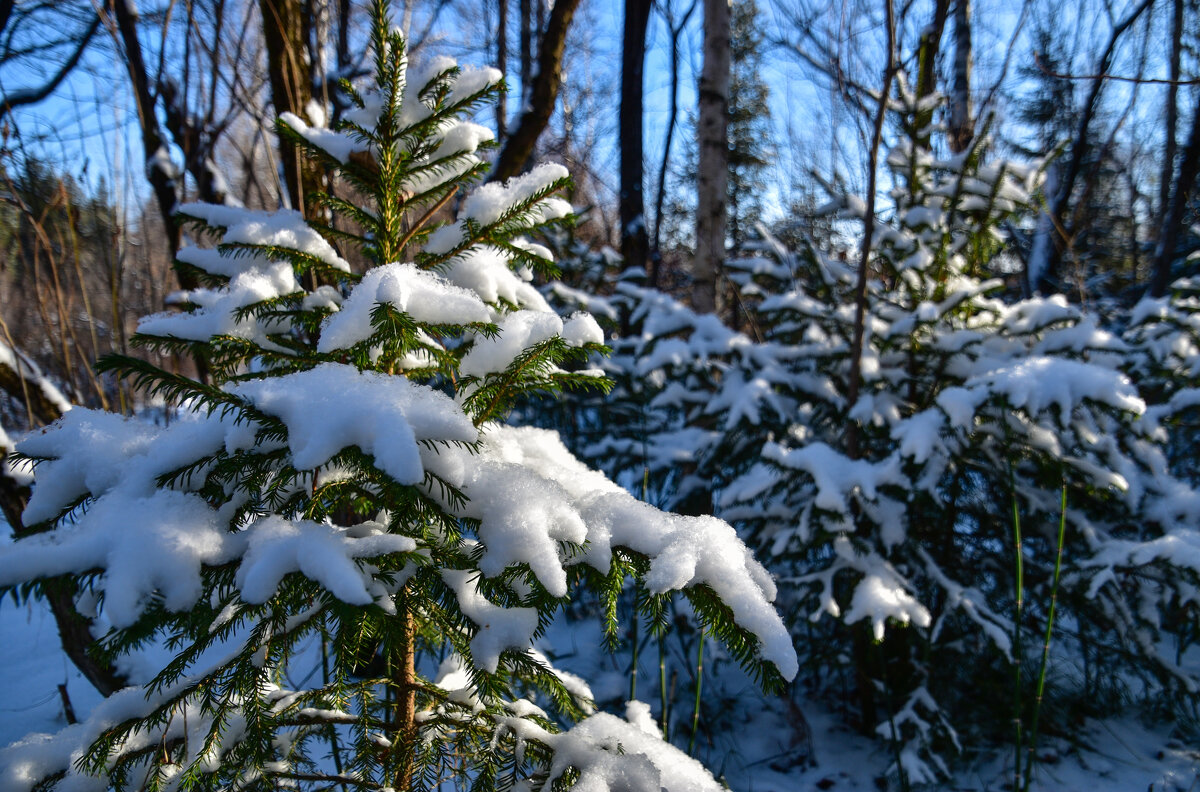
424	296
499	628
837	475
559	494
148	545
494	202
1037	383
485	271
612	754
338	145
334	406
323	553
253	277
285	228
216	308
519	331
87	452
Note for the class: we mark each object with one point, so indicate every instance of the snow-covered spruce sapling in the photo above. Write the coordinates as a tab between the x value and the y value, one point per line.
961	388
345	482
915	531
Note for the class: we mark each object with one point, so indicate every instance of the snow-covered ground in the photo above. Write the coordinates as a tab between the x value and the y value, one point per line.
769	755
764	745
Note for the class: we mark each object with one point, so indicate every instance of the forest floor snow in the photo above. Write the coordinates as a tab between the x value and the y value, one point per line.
760	748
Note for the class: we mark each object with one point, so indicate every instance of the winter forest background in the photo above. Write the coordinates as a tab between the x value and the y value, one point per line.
677	395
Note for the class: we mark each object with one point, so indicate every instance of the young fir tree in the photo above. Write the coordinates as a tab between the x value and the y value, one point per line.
749	122
899	556
344	487
1000	473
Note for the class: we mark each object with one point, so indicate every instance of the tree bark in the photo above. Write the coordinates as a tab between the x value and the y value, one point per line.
672	118
284	29
404	680
1181	196
962	128
502	65
928	47
712	179
634	240
1047	279
542	96
343	37
1172	119
525	9
158	172
196	141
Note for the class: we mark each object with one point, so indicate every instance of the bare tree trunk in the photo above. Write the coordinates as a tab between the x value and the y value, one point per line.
1044	269
343	37
404	676
159	170
542	94
1181	195
928	47
853	445
284	31
672	117
321	20
502	65
634	240
1172	119
712	179
525	9
962	128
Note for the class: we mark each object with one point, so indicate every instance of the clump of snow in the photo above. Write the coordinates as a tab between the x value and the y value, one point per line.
498	628
340	145
286	229
519	331
683	551
86	451
334	406
492	202
1037	383
323	553
612	755
424	296
580	329
835	474
152	545
485	270
215	309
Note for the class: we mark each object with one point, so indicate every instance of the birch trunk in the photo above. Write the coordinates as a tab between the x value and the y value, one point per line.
713	176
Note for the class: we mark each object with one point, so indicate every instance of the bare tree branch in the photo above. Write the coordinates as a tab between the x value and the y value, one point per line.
35	95
542	96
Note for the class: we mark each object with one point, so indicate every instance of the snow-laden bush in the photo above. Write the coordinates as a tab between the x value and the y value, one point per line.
916	531
344	484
